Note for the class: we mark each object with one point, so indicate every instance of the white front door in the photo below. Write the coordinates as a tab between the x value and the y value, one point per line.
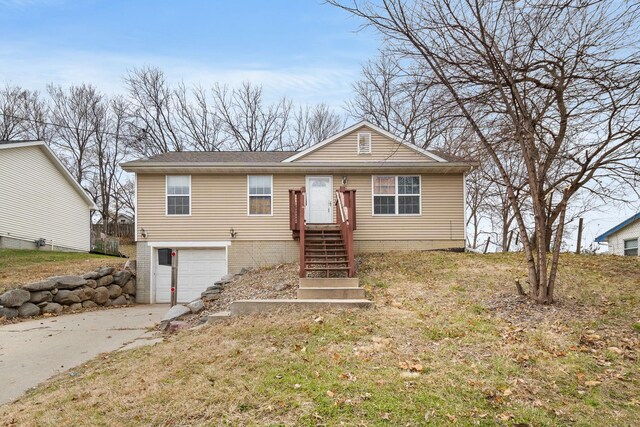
319	200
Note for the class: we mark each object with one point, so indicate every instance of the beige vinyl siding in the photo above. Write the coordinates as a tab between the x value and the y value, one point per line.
37	201
383	149
220	203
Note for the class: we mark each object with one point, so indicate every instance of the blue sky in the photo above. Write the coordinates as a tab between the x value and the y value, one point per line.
304	49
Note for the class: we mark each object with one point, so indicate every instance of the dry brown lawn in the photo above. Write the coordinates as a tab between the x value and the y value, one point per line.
447	344
18	267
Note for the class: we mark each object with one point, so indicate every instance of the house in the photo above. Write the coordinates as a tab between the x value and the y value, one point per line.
41	205
623	238
361	190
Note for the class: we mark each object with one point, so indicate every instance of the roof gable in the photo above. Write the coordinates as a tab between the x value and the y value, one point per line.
55	161
344	147
623	224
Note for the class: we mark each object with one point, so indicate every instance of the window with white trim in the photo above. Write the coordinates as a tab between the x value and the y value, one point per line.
260	194
631	247
178	195
396	195
364	143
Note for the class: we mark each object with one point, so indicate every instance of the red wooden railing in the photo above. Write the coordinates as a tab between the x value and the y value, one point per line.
346	219
297	222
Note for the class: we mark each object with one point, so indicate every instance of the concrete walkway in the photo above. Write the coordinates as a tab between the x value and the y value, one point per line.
35	350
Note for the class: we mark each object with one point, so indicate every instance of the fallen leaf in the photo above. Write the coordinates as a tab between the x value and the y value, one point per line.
385	416
507	392
297	386
591	383
330	393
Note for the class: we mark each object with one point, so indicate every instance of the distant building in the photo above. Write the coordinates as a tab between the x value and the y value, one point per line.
623	238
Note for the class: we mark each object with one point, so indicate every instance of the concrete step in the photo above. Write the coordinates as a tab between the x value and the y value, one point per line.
331	293
221	315
331	282
263	305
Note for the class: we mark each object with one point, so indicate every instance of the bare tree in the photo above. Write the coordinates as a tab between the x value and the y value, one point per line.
107	153
75	116
312	124
22	114
249	124
196	115
152	113
563	79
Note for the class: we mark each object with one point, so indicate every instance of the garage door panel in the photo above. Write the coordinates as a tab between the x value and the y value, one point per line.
197	270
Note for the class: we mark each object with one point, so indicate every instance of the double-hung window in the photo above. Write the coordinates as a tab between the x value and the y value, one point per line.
631	247
178	195
396	195
260	194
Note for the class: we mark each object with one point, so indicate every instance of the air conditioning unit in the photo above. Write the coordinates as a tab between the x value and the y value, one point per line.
40	243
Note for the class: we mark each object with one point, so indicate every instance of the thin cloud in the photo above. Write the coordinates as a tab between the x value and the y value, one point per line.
331	85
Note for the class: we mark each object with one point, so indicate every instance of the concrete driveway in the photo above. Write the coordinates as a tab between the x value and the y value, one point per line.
35	350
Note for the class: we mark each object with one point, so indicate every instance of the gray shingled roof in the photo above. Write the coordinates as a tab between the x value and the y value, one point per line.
221	156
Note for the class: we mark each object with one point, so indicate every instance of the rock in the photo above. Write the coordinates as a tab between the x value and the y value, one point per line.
280	287
105	271
210	297
42	304
66	297
52	308
14	298
174	313
104	281
121	277
68	282
130	287
8	313
131	265
101	296
121	300
114	291
85	293
92	275
177	325
75	307
41	296
212	291
45	285
28	309
196	306
212	287
92	283
54	291
89	304
226	279
109	303
244	271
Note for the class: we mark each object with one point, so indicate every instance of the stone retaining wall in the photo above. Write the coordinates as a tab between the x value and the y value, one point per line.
104	287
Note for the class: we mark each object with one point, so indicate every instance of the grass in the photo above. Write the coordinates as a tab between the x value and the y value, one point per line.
447	344
20	266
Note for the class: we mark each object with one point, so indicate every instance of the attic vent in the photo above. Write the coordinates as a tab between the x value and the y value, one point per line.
364	143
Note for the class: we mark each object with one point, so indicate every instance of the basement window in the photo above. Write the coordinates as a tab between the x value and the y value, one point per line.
364	143
631	247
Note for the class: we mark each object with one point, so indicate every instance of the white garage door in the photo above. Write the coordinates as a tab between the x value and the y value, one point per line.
197	270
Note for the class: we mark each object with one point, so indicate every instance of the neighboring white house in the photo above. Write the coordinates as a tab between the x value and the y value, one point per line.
623	239
41	205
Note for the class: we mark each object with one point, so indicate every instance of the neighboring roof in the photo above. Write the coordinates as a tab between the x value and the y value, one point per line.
55	161
628	221
354	127
221	156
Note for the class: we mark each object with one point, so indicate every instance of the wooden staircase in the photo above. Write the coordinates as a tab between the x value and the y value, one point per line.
327	262
325	251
